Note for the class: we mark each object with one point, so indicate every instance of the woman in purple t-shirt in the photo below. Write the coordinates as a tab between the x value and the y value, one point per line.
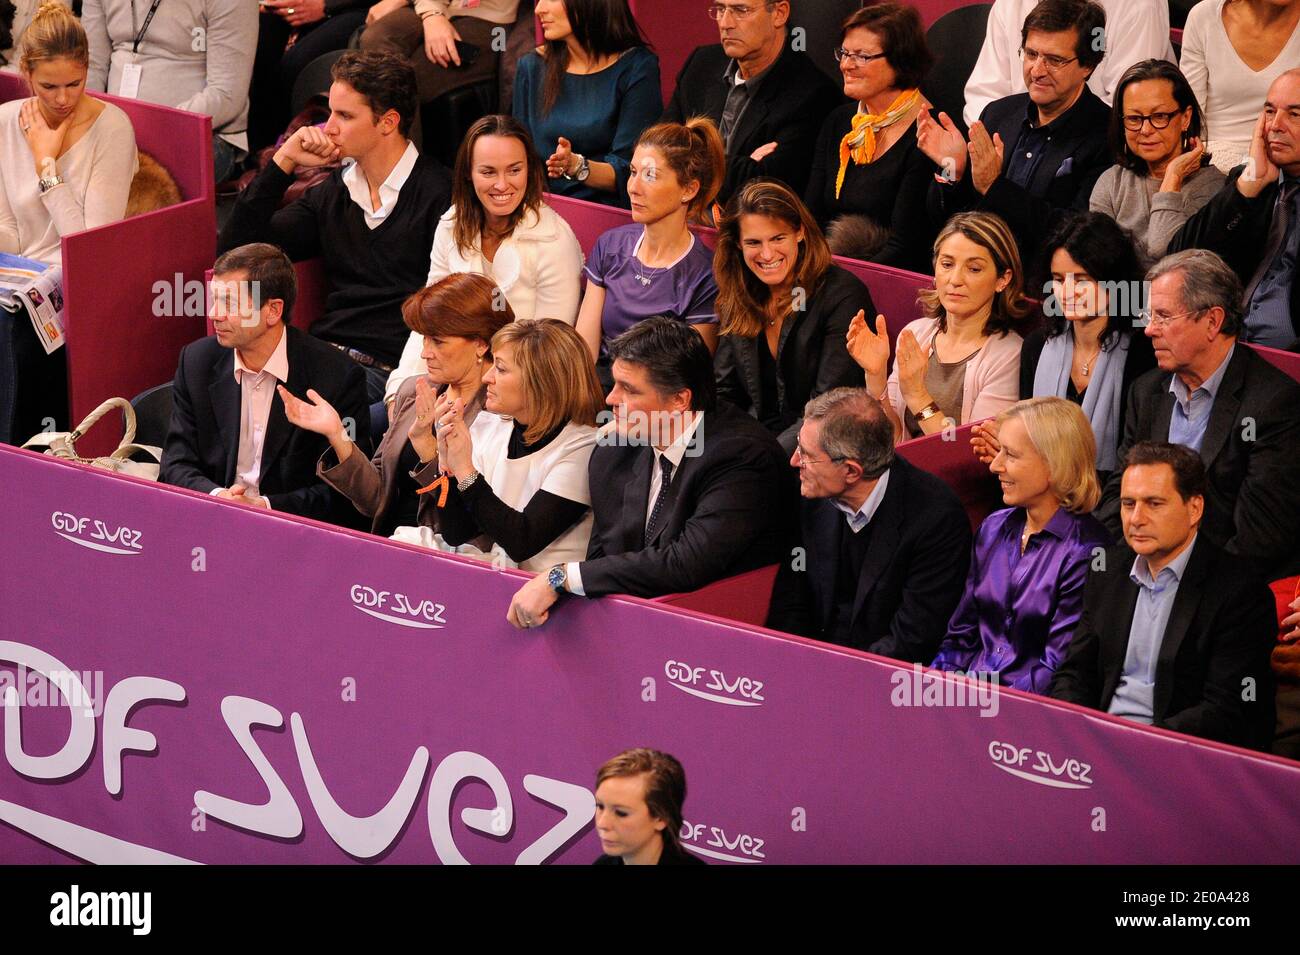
656	266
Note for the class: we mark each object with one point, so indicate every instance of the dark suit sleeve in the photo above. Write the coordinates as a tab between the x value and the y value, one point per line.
1030	216
796	141
316	498
181	464
937	569
1267	513
1231	225
257	218
731	388
791	607
1242	636
1078	678
731	512
1107	510
815	195
909	227
676	111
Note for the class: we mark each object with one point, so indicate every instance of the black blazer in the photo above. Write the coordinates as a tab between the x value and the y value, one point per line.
1220	633
811	354
1076	156
203	440
1251	452
730	511
1236	228
788	107
912	578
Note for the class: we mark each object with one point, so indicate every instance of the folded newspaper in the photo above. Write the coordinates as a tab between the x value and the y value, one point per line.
37	289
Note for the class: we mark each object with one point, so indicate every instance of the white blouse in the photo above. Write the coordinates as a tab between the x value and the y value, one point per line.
97	173
538	268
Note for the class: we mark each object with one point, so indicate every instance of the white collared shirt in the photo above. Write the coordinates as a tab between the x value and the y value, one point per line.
257	389
862	516
359	188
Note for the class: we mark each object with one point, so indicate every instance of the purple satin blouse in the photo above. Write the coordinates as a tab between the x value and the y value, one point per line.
1018	613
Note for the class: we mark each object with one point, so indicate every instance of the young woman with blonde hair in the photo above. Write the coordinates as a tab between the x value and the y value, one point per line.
524	484
66	159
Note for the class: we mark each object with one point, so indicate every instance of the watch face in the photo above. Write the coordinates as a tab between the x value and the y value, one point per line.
556	578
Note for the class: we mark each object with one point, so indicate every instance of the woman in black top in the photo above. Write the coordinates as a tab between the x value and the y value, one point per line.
784	309
869	178
639	796
1090	351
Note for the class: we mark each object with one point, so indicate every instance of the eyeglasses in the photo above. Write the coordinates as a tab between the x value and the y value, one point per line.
805	458
856	59
1133	121
739	11
1147	317
1053	63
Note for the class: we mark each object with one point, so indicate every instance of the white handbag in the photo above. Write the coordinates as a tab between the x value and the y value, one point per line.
62	444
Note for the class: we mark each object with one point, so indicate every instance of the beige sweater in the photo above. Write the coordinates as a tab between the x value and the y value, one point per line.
97	173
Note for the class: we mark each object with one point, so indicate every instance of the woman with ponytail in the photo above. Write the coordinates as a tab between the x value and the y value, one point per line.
656	266
66	160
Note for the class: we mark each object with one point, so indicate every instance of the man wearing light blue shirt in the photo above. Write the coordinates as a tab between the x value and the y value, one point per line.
1175	632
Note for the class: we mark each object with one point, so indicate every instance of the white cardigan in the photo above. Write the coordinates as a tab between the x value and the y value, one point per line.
538	268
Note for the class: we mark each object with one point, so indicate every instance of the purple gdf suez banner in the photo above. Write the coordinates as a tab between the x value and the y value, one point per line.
189	680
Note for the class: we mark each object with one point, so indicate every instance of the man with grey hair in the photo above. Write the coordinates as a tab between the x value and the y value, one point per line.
885	546
1252	221
1224	401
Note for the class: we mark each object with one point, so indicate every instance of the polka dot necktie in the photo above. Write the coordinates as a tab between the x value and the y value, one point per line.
666	467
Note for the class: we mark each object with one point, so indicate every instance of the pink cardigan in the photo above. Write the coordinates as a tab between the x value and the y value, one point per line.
992	381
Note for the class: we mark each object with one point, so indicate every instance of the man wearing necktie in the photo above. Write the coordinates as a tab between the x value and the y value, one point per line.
685	490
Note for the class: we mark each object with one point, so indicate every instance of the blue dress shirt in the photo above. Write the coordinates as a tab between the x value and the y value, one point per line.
1268	315
1192	411
1135	694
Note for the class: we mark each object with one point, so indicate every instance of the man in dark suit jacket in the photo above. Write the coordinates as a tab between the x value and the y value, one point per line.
1217	396
229	436
684	491
1253	219
1175	632
769	119
886	546
1033	155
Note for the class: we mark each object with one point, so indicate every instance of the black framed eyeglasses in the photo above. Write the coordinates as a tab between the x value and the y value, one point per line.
1133	121
856	59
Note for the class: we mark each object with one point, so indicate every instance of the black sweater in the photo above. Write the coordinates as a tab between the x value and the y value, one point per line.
891	191
371	271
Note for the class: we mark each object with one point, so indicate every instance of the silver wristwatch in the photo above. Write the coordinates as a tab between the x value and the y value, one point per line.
584	170
47	183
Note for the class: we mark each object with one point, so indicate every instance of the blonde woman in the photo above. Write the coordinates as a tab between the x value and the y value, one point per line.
1024	591
66	160
524	483
961	362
